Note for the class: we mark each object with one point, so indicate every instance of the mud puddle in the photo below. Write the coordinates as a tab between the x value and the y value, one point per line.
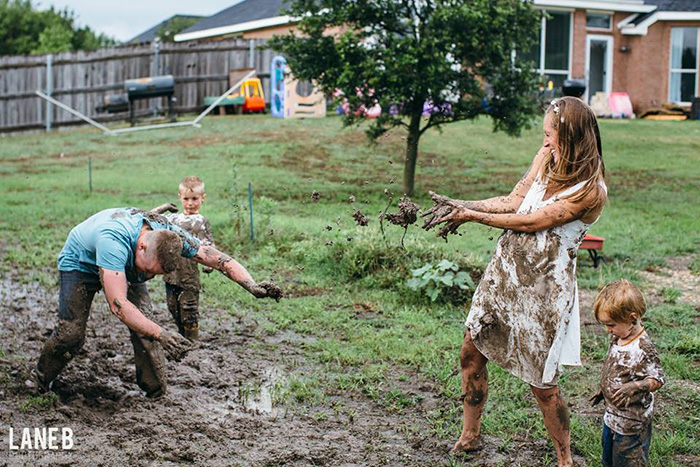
224	403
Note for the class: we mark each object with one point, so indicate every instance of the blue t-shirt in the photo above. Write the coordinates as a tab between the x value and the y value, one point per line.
108	240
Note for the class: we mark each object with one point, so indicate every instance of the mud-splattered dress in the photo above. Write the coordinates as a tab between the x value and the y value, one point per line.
524	314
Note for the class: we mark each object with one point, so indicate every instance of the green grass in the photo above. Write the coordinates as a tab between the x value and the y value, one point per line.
348	284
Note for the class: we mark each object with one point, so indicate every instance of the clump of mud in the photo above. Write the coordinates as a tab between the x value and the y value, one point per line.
360	218
442	206
315	196
407	214
272	289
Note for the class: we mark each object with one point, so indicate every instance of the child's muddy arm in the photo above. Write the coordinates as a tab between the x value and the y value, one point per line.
623	395
114	283
167	207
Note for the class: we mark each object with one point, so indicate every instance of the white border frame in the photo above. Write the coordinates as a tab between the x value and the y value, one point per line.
608	62
683	70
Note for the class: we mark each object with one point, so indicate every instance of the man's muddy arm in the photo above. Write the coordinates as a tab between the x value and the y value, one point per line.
115	285
229	267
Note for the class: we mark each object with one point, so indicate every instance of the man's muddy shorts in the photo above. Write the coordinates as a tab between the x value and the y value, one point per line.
626	450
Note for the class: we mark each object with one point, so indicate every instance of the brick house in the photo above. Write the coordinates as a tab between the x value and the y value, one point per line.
646	48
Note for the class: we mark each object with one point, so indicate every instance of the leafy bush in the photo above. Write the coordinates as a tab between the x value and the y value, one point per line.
444	279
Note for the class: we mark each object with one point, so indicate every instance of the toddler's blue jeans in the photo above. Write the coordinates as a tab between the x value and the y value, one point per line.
626	450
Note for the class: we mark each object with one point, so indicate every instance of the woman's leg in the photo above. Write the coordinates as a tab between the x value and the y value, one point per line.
556	419
474	392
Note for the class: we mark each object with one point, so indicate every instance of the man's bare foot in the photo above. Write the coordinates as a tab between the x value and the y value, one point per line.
467	446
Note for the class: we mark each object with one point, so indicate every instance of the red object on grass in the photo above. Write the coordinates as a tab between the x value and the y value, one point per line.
592	244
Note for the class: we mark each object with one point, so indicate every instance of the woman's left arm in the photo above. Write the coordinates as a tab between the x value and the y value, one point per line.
558	213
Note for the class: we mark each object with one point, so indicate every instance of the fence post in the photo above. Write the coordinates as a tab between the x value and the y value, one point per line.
155	71
49	90
251	53
250	208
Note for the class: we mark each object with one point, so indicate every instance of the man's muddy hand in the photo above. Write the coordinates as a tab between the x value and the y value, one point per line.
175	345
596	399
266	289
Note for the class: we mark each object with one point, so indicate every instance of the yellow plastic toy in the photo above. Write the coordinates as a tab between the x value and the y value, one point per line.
252	91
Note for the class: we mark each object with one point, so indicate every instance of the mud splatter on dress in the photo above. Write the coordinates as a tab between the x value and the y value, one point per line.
524	314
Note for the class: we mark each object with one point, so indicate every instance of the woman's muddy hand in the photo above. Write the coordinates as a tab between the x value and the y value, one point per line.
175	345
438	213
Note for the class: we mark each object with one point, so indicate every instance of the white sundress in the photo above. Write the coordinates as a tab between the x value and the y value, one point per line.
524	314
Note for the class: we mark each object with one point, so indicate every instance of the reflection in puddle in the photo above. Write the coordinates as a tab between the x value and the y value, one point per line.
259	398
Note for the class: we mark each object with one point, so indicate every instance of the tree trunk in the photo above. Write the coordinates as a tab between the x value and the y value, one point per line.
409	171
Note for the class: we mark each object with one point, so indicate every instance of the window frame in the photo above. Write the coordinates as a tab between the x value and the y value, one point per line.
600	12
681	71
541	70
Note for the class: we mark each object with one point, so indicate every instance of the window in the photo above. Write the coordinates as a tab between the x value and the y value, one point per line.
552	51
684	64
598	20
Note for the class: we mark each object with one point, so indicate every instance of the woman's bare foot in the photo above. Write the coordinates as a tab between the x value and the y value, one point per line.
467	445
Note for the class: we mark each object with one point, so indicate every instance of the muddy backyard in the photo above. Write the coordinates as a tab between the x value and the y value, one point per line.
222	407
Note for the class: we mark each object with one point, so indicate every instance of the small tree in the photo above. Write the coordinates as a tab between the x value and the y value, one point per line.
405	54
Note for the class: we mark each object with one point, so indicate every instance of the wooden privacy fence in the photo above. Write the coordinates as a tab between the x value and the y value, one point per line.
81	79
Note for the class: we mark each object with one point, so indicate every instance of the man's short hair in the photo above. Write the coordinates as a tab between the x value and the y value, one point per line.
193	184
618	300
168	248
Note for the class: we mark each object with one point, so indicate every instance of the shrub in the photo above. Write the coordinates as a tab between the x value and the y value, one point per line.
444	280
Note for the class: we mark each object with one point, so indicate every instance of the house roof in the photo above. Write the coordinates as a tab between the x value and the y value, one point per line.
247	11
668	5
249	15
150	34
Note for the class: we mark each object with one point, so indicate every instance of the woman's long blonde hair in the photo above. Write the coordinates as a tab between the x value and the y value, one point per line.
580	151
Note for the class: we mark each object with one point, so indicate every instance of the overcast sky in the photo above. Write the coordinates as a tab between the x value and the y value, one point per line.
125	19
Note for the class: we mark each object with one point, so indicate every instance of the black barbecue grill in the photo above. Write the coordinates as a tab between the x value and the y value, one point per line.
148	88
573	87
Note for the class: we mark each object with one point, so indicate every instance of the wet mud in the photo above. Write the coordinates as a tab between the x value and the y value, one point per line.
360	218
406	215
220	407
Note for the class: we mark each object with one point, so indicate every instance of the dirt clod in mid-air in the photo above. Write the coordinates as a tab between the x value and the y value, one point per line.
360	218
406	215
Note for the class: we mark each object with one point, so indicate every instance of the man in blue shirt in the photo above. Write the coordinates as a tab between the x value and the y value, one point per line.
118	250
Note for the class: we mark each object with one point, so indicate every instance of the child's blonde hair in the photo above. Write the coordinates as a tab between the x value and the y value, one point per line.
193	184
618	300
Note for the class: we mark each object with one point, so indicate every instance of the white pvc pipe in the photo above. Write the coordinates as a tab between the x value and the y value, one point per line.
194	123
223	96
155	127
74	112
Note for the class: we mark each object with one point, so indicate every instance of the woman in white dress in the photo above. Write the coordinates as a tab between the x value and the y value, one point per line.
524	313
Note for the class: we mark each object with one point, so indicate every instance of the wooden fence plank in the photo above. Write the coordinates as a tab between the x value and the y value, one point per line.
81	79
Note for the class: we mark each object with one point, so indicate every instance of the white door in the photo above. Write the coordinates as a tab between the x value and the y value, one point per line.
598	65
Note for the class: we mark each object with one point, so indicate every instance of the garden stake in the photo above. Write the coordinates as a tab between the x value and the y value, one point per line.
250	207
